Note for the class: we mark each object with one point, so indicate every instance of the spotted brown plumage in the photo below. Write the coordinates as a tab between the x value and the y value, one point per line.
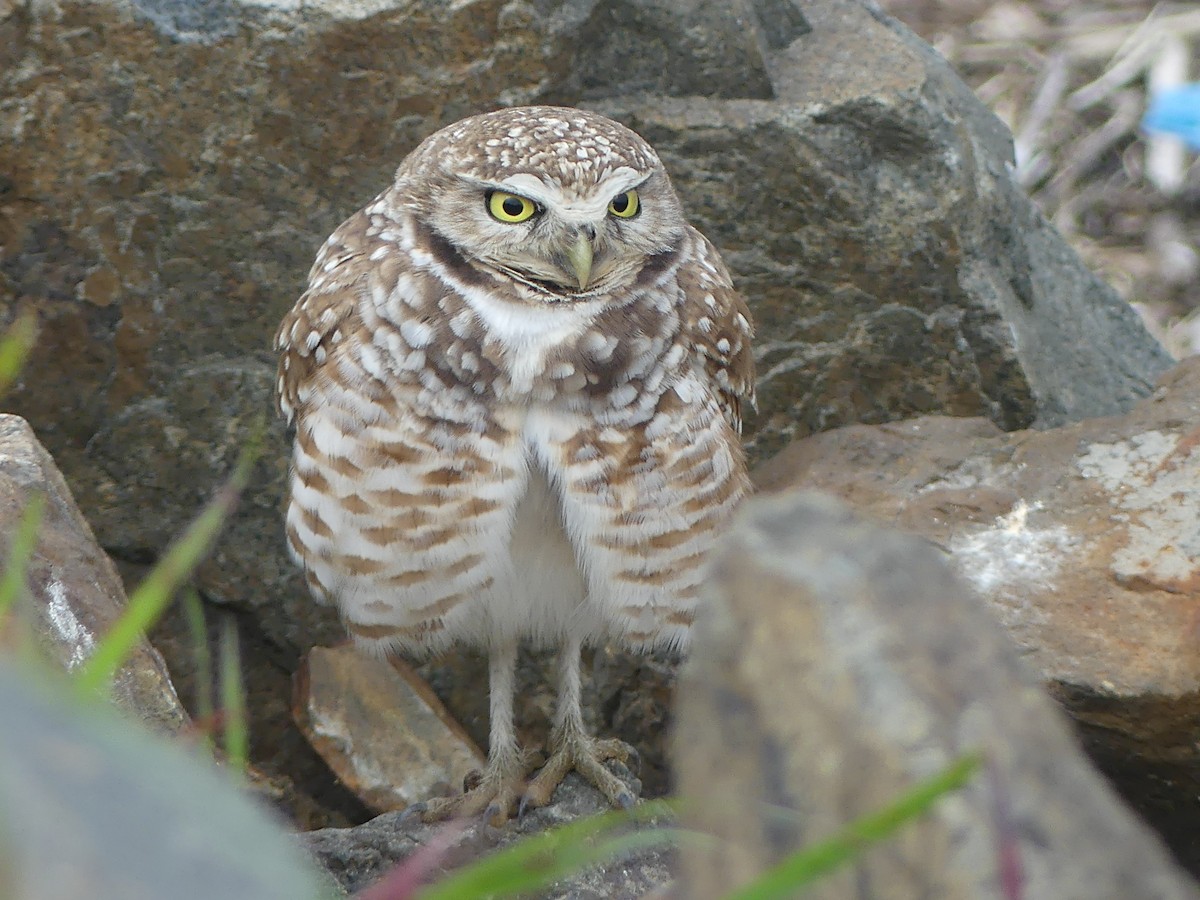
517	423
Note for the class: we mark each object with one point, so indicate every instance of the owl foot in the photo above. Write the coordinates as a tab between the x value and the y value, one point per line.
492	793
586	755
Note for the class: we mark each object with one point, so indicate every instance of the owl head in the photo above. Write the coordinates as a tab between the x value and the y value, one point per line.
568	202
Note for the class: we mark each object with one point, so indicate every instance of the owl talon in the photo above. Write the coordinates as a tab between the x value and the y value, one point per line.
632	759
437	810
491	794
495	814
587	757
491	802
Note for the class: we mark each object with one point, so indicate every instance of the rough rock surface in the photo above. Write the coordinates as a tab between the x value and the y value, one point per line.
1084	540
170	168
844	663
74	592
357	857
380	728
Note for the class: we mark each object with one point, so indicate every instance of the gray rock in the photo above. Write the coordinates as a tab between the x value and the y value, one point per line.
893	266
207	414
682	47
357	857
73	592
90	807
844	663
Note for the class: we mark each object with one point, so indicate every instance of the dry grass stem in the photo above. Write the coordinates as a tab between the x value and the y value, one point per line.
1072	82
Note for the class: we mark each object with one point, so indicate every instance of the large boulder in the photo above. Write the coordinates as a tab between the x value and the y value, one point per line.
844	663
171	167
1083	540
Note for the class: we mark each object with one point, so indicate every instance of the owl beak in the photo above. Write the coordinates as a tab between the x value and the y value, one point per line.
580	256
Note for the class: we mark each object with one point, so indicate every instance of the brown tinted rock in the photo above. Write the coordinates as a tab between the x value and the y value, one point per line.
196	154
380	728
74	592
837	664
1084	540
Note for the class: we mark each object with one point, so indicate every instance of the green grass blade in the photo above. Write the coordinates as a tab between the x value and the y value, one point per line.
15	347
193	610
151	597
12	579
806	866
233	699
546	865
542	859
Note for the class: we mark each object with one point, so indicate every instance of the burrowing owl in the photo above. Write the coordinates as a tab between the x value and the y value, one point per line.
516	380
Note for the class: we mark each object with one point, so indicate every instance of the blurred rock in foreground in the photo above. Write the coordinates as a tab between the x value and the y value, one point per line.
91	807
838	664
1085	541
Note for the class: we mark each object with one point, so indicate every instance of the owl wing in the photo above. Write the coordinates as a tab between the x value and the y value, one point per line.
643	501
319	317
718	322
402	490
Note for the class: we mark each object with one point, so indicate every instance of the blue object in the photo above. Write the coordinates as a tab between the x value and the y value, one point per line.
1176	111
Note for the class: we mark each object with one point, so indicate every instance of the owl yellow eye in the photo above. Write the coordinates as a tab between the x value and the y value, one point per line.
510	207
624	205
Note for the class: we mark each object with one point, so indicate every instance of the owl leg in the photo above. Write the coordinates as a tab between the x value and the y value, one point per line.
572	748
496	789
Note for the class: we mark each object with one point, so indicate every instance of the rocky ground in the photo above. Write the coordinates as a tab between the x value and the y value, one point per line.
930	348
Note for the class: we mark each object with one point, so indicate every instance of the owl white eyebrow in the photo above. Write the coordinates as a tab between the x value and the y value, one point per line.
536	189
